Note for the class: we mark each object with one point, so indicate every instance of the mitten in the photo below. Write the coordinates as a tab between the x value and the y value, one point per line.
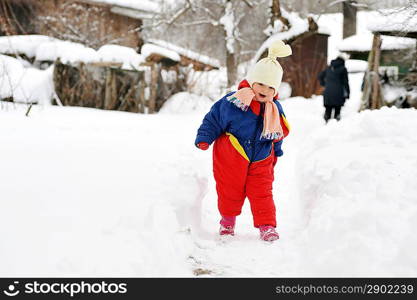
203	145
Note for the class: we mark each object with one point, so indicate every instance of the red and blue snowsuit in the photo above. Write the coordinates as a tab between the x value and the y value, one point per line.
243	162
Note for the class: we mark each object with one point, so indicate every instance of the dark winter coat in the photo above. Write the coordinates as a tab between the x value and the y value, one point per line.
335	80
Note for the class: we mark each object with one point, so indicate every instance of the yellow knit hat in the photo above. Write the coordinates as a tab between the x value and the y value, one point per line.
268	71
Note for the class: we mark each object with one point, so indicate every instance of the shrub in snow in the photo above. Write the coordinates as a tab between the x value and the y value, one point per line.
25	84
186	103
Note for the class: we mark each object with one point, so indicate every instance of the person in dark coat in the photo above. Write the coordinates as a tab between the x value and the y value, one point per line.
335	80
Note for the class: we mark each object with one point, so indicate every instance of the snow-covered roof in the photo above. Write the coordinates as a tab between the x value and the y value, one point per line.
363	43
149	49
22	44
45	48
143	5
67	52
187	53
298	26
121	54
402	20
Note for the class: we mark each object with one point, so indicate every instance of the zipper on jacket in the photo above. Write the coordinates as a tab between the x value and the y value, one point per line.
259	120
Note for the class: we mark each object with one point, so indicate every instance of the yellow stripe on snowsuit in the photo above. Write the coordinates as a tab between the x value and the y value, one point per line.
235	143
286	122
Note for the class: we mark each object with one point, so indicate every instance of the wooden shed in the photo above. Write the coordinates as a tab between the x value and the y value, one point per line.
309	46
396	51
402	23
91	22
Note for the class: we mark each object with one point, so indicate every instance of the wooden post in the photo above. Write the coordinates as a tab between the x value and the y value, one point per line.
154	87
376	91
107	89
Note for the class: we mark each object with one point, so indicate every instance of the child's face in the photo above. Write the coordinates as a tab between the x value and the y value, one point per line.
263	93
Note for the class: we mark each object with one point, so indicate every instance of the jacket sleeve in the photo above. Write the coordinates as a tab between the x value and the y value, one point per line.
285	128
346	82
214	122
322	78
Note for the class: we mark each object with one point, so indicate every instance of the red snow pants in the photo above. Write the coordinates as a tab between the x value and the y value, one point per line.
237	178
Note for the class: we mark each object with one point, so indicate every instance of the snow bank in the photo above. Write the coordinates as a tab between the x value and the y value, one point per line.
85	214
356	181
284	90
25	84
186	103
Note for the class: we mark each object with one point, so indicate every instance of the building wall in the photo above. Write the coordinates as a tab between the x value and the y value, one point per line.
92	25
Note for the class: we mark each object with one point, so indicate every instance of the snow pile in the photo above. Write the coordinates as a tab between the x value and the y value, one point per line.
186	103
356	65
212	84
149	49
126	55
393	93
25	84
67	52
22	44
357	186
363	43
187	53
284	90
80	212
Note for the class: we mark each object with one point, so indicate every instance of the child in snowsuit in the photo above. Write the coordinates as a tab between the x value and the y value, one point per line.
247	128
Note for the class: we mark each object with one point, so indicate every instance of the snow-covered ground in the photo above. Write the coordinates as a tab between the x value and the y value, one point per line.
86	192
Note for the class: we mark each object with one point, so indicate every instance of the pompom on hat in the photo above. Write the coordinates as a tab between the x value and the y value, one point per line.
268	71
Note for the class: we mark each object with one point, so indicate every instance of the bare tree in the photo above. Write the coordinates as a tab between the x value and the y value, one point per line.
217	23
15	16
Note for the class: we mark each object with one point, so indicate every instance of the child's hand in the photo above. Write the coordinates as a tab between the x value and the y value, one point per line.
203	145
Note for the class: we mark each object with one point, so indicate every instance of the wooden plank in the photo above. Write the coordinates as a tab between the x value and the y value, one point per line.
375	99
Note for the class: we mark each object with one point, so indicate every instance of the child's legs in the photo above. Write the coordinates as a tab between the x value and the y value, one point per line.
259	191
230	171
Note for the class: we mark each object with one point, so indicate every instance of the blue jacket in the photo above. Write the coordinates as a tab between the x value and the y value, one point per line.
245	126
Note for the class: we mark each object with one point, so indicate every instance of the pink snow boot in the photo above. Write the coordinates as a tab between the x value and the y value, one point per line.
227	226
268	233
